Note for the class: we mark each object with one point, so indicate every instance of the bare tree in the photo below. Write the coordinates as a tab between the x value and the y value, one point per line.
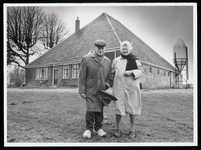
23	30
54	30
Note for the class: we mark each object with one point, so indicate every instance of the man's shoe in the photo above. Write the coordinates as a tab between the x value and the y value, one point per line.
101	133
87	134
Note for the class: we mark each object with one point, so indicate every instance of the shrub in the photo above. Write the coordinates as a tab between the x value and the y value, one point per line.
17	77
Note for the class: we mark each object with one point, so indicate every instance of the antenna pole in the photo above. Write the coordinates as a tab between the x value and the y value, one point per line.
187	63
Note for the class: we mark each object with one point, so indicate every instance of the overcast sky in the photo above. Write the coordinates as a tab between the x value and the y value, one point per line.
158	26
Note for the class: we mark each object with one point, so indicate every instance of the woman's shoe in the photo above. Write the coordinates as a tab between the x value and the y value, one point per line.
117	133
132	134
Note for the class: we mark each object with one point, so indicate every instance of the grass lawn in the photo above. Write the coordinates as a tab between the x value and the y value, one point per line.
58	116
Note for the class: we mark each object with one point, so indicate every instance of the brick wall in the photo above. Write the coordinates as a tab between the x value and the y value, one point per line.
31	80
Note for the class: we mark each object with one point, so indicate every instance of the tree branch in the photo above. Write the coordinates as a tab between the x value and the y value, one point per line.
18	55
18	64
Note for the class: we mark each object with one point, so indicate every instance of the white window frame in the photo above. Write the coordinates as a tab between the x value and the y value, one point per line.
66	71
42	73
75	70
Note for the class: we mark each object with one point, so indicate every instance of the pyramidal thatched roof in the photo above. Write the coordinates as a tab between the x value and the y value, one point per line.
103	27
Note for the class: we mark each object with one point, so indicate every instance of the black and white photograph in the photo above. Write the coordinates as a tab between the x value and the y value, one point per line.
100	74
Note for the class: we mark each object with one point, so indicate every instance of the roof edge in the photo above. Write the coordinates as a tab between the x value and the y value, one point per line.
150	64
48	64
106	15
54	64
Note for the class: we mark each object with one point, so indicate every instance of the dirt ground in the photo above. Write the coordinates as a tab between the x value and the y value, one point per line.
56	115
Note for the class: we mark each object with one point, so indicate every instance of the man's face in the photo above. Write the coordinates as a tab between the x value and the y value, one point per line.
100	51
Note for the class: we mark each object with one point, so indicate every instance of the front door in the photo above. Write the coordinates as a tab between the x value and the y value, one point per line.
55	75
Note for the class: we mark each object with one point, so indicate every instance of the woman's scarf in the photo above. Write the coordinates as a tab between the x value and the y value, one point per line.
131	63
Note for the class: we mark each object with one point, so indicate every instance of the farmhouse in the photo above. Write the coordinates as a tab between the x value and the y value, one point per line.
60	65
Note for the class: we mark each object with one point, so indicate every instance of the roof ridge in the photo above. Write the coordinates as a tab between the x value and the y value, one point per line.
106	15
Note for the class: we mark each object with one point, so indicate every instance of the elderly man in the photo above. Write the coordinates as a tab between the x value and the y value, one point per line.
95	74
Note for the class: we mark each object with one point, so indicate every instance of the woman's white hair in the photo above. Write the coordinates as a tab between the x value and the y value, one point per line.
126	44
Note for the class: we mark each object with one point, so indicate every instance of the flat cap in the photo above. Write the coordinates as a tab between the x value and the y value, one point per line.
100	43
106	97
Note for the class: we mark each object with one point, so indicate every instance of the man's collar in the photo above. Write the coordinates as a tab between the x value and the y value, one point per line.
93	54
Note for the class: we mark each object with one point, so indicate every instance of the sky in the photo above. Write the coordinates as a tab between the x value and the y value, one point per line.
159	26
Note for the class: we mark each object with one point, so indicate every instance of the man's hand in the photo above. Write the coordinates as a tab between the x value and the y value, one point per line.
83	96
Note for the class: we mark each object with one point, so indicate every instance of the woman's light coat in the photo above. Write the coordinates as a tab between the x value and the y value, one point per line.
125	88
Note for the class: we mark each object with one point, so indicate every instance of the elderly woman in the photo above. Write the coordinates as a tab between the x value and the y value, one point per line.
127	69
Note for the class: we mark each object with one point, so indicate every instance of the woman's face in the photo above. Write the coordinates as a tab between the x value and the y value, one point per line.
125	50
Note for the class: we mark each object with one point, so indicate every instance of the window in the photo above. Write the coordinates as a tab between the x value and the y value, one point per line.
158	71
66	71
110	55
42	73
164	72
118	53
75	70
168	73
150	70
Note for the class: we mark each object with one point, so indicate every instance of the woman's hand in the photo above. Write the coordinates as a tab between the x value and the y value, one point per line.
128	73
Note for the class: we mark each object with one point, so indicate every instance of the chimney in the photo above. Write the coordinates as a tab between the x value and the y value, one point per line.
77	25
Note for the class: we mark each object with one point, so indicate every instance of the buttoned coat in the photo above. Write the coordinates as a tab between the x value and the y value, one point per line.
93	76
126	88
